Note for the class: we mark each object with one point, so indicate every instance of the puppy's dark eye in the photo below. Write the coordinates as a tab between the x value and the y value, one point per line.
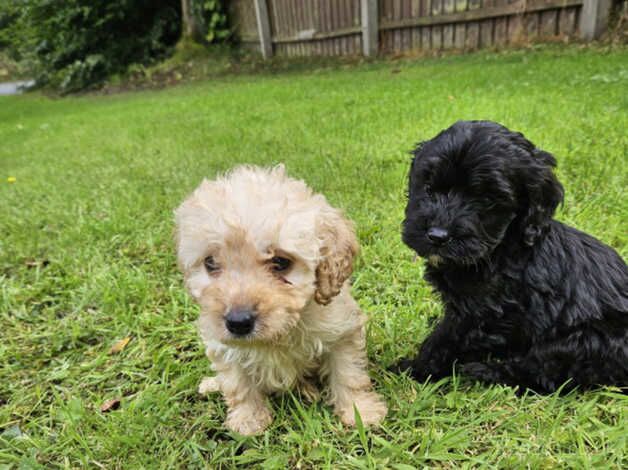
279	264
210	264
428	190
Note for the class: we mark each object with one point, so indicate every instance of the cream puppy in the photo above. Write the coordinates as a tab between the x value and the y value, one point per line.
268	262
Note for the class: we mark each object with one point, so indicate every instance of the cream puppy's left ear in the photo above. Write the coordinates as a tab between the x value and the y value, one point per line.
339	246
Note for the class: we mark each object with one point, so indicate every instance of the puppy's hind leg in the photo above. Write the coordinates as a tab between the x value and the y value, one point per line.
349	383
584	359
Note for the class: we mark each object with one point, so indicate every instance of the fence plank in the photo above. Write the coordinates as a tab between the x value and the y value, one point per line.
594	18
426	38
532	25
349	23
296	27
437	30
340	19
549	23
486	32
567	22
436	7
309	24
395	11
448	36
473	28
473	35
460	29
263	25
292	27
460	35
500	34
426	32
415	11
487	26
437	37
448	30
406	34
333	12
304	25
369	27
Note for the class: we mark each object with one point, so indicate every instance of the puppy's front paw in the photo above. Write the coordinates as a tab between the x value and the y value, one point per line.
208	385
248	420
402	366
417	370
370	405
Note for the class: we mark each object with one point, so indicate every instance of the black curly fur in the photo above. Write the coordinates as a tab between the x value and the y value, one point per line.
529	301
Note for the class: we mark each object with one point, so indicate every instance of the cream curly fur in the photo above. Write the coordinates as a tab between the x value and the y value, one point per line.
307	324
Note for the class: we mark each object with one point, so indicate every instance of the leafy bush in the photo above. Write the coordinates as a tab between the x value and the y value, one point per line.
215	18
9	13
73	44
77	43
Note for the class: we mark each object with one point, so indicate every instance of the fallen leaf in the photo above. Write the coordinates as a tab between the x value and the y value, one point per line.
451	98
119	345
32	263
110	405
11	179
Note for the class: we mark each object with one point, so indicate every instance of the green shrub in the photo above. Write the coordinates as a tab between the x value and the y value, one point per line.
12	14
73	44
76	43
213	12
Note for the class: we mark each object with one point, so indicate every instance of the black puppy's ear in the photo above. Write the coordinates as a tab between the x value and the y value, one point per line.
417	151
416	154
544	194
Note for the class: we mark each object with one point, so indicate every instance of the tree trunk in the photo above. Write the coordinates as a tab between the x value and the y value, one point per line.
192	28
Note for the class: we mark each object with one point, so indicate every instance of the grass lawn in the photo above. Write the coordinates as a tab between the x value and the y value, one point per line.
87	259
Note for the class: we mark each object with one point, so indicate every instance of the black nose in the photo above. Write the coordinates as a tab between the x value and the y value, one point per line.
438	236
239	321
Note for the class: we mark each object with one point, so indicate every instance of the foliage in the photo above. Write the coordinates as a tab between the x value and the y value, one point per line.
9	15
87	259
76	43
215	17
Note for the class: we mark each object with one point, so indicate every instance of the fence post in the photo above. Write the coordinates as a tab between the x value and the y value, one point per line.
263	27
594	18
370	31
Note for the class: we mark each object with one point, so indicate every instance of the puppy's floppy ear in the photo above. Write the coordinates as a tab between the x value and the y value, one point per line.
338	247
544	194
416	155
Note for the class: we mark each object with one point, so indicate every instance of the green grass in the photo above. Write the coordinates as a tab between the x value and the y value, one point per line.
86	259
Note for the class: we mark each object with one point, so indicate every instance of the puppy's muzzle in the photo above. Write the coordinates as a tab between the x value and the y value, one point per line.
438	236
240	321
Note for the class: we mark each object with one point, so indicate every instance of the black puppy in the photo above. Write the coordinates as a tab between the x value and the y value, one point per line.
529	302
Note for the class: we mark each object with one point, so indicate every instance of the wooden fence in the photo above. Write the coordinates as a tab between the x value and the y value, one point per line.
354	27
